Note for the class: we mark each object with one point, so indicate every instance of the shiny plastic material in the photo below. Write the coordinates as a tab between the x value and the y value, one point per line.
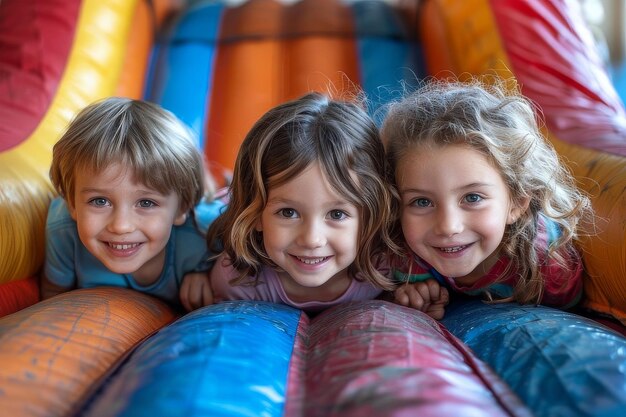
227	359
262	359
52	352
184	64
560	364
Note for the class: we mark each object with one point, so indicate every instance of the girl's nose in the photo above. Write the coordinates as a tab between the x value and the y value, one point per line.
449	222
312	235
121	221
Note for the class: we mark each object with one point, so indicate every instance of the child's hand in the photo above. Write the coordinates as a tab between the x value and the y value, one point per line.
427	296
195	291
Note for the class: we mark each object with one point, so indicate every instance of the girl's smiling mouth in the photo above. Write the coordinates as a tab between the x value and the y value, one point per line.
311	260
453	249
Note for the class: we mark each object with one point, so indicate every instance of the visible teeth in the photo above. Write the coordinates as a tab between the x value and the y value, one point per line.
123	246
311	261
452	249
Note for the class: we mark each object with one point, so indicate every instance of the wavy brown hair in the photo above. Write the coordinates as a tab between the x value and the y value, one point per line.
285	141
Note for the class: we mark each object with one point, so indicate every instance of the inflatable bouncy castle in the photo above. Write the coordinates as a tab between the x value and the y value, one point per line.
218	66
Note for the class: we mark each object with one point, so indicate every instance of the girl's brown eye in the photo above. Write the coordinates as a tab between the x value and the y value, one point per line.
288	212
338	215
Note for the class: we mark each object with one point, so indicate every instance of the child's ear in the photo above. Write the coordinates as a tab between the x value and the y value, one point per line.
258	226
180	219
517	209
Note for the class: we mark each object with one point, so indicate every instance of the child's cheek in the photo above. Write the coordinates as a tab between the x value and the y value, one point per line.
413	232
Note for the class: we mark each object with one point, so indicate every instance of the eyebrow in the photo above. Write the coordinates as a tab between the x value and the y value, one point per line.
89	190
92	190
461	188
279	200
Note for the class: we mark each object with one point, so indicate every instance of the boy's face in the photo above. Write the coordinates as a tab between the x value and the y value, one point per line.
123	223
455	209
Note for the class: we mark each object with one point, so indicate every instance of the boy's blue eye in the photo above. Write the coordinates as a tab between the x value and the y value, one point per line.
338	215
99	202
473	198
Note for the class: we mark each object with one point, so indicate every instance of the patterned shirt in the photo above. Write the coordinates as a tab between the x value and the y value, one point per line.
562	286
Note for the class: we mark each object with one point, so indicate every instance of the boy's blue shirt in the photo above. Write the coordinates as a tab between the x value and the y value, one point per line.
69	264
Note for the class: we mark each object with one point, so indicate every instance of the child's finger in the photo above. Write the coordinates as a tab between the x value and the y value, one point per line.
207	295
416	297
184	296
423	289
195	298
433	288
436	311
444	296
401	297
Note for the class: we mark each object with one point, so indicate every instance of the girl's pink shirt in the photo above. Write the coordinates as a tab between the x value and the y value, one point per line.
270	288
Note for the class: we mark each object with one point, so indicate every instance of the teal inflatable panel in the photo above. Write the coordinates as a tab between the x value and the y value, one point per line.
558	363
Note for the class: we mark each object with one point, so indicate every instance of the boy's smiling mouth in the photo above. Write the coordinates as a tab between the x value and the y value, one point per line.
123	246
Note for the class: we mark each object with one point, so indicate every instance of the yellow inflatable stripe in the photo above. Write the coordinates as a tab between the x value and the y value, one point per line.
93	70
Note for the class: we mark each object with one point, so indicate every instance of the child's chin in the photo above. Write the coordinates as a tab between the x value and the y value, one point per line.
458	275
120	269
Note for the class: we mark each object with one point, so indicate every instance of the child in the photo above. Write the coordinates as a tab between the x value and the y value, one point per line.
133	186
308	220
486	206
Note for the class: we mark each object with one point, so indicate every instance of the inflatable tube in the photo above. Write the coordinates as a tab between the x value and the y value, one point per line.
227	359
587	123
31	64
243	40
294	49
184	66
281	41
53	351
380	33
570	358
262	359
594	115
18	294
319	41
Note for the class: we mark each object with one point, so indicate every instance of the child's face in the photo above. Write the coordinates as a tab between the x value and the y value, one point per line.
311	233
455	208
123	223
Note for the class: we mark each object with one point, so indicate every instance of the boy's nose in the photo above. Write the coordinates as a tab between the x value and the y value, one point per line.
121	221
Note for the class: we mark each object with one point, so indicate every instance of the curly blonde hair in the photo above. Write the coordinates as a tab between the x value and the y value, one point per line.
501	124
